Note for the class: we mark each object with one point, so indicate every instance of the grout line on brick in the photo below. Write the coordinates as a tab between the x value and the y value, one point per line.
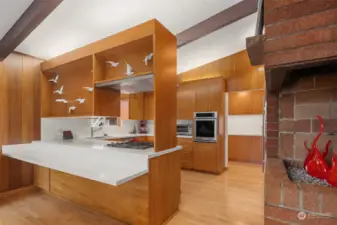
278	220
320	203
301	199
281	194
299	33
296	18
297	48
306	211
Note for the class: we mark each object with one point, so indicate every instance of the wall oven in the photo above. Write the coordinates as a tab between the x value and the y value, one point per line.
205	126
184	128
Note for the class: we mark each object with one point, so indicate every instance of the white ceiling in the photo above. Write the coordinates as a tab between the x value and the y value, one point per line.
75	23
10	12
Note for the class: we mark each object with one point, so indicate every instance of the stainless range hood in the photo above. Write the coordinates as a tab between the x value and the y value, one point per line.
130	85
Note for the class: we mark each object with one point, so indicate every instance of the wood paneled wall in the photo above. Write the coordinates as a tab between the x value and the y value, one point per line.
236	69
246	102
245	148
19	115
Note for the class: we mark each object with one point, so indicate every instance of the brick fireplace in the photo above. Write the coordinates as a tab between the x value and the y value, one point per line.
301	79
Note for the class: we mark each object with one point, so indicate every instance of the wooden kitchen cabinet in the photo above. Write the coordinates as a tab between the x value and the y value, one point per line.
138	106
148	106
205	157
132	106
185	101
208	95
187	152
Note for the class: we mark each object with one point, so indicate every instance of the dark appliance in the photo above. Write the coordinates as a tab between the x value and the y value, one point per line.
205	126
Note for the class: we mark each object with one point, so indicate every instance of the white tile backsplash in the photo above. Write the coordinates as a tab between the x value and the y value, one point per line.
52	128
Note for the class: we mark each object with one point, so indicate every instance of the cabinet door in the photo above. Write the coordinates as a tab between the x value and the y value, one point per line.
201	96
136	106
185	102
180	101
187	152
188	109
187	157
205	157
149	106
214	95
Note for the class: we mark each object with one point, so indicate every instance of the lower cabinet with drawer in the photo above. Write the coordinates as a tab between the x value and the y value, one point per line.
187	152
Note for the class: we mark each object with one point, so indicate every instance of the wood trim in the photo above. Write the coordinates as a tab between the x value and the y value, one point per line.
29	20
222	19
245	148
165	88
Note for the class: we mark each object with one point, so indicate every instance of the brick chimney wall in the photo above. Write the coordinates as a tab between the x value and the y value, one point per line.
297	32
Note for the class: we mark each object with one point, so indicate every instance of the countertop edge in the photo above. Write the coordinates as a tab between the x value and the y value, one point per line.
164	152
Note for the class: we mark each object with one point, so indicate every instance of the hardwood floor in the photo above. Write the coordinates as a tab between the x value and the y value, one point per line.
35	207
235	198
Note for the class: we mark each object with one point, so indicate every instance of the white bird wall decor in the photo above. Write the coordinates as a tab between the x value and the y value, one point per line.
60	91
55	79
112	63
80	100
61	100
72	108
148	58
89	89
129	70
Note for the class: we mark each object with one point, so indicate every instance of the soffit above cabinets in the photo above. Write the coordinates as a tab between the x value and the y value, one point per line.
76	23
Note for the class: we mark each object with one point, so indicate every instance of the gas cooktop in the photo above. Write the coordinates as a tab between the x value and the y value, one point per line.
133	145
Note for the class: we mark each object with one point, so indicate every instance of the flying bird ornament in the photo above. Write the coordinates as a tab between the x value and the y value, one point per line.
72	108
60	91
55	79
112	63
148	58
129	70
61	100
89	89
80	100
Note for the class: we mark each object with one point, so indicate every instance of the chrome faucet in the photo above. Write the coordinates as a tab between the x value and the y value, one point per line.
97	125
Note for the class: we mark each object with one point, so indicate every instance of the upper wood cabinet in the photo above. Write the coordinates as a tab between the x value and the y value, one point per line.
148	106
199	96
185	101
139	106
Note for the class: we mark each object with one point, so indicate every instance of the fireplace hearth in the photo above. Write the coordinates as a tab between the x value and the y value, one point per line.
301	79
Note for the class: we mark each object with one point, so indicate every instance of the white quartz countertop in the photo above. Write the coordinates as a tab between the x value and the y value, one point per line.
133	136
90	159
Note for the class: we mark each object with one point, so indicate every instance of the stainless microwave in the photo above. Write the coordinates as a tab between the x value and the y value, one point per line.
205	126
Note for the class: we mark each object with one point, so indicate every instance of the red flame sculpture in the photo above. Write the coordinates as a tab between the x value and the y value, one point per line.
332	173
315	164
310	152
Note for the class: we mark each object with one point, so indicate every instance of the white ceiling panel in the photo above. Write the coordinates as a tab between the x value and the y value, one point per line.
75	23
10	12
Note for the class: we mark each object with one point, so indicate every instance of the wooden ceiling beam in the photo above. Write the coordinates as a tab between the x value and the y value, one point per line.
29	20
222	19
